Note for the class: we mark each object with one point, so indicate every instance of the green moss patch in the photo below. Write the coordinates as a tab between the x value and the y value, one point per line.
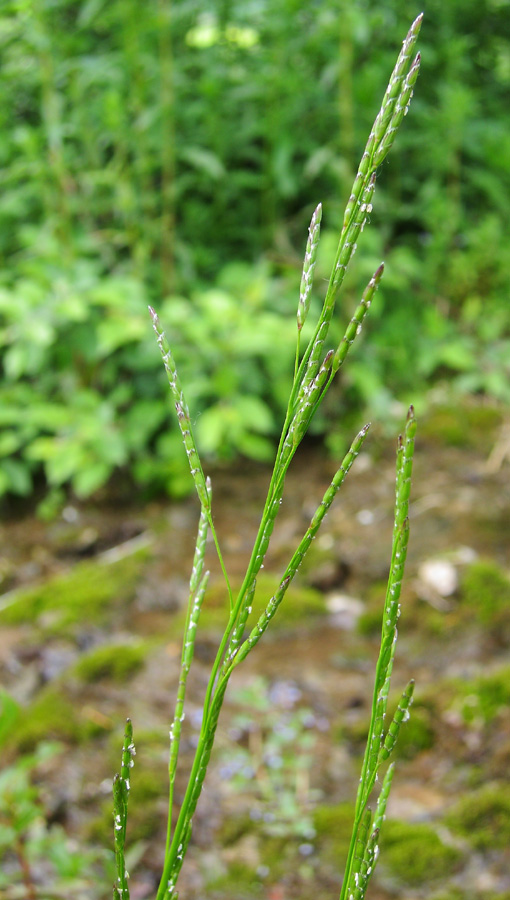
53	715
240	881
333	828
87	594
278	854
117	662
486	696
453	892
483	817
486	591
149	784
415	854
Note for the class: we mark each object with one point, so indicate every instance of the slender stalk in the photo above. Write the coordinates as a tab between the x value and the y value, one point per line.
379	745
188	646
184	420
26	872
197	588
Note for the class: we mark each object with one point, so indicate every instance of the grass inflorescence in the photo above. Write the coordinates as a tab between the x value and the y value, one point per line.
314	371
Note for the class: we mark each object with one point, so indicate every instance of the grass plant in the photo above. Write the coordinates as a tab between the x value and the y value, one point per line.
314	371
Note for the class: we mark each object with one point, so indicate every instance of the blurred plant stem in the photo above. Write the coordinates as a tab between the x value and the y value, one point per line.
59	184
345	93
168	139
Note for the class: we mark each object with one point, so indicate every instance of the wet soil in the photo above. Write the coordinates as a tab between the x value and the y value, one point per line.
460	512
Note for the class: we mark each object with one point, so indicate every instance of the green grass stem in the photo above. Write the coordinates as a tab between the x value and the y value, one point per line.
314	371
380	743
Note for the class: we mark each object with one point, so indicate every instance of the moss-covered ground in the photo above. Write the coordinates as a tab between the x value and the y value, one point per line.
99	639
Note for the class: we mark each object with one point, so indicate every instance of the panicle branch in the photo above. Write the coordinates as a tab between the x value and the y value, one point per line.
121	788
181	408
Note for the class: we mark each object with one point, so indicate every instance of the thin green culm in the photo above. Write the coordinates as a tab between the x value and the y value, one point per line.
315	368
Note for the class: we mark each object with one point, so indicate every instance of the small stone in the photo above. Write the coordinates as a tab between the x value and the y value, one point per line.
345	610
70	514
440	575
365	517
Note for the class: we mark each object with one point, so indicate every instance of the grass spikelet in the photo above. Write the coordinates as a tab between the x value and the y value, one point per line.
181	408
354	326
121	787
367	866
397	79
310	399
312	245
401	715
358	876
367	165
400	110
405	455
382	799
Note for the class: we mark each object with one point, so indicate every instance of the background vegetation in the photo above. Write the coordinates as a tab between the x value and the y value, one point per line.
173	154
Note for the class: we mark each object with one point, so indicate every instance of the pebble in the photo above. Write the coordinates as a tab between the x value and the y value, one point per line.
345	610
365	517
440	575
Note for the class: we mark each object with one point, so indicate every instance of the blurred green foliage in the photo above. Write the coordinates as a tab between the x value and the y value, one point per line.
172	154
30	845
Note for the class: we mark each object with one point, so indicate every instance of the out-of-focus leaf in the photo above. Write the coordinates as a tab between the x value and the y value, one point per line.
18	475
204	160
9	714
